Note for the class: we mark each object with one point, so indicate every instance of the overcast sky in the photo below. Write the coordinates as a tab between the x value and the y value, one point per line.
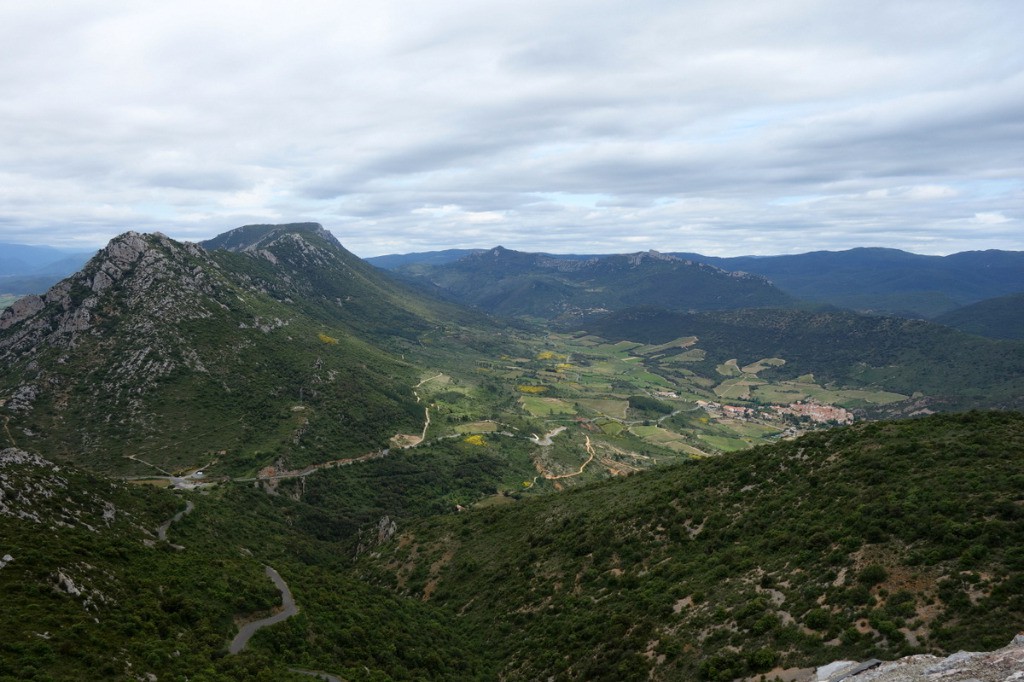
724	127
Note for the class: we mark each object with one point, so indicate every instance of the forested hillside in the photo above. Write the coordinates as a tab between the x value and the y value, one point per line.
997	318
513	283
869	541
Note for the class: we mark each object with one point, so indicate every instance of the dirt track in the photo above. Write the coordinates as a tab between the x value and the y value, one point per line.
553	477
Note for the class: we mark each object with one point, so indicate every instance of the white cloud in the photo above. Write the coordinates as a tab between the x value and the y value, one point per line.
990	219
930	192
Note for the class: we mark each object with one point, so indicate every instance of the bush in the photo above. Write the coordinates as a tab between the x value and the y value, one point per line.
872	574
817	619
762	660
723	667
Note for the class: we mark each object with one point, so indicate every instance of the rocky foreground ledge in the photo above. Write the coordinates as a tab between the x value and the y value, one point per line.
1002	665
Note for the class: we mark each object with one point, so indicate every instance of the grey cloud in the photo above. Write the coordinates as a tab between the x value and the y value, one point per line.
725	125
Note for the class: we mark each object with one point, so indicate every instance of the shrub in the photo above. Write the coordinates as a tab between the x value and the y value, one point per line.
872	574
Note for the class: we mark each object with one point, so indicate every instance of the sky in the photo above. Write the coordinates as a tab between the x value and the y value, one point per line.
724	127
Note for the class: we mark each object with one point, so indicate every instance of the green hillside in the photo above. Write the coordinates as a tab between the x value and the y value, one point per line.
304	266
161	352
92	592
875	540
997	318
869	541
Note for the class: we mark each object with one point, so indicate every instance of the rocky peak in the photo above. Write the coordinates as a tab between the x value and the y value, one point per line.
133	295
133	263
638	258
256	238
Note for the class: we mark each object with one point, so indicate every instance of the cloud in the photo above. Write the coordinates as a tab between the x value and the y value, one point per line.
990	219
722	125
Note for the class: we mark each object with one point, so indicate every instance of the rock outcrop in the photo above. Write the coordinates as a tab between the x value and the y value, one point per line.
1002	665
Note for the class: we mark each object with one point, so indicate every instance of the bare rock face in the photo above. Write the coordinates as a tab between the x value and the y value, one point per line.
1002	665
20	310
10	456
635	259
386	529
376	536
145	286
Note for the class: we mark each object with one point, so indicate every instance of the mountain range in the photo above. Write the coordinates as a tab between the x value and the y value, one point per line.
653	468
22	259
512	283
886	281
34	269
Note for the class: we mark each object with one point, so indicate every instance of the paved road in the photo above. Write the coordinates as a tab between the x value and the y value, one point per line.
288	610
161	532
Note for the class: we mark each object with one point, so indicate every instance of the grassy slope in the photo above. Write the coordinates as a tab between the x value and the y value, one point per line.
852	543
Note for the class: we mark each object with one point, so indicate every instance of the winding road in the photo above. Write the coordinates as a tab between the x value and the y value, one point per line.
426	413
288	609
161	532
8	432
590	450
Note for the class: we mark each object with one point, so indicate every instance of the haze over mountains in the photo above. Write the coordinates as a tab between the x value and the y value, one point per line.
639	474
34	269
21	259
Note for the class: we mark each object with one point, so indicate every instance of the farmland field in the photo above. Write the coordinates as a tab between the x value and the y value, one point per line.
634	404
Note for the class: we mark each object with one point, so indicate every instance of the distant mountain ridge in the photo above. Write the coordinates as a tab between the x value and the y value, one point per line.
514	283
397	260
24	259
888	281
28	269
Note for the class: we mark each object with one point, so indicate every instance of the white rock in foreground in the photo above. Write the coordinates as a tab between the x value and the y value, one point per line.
1002	665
